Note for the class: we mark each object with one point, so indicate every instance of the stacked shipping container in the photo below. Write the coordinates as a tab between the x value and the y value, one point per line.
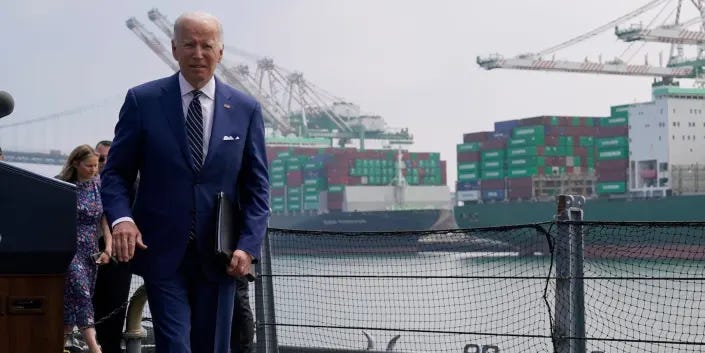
502	164
312	180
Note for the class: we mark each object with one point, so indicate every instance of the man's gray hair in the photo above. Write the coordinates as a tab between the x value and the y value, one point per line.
198	15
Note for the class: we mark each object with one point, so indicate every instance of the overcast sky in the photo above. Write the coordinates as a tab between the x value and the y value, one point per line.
413	62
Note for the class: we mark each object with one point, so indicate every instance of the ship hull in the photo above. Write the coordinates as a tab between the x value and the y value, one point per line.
370	232
609	242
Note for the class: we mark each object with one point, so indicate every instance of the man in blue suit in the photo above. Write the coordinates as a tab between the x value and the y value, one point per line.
189	136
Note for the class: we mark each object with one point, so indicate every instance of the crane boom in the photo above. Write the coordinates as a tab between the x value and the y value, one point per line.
613	68
152	42
662	34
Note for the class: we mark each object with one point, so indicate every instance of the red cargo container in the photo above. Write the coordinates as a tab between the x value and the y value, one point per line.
614	164
444	173
523	193
477	136
335	201
468	156
609	131
494	144
519	182
611	175
491	184
277	192
294	178
354	180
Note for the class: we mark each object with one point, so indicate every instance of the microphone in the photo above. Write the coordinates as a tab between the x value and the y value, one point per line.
7	104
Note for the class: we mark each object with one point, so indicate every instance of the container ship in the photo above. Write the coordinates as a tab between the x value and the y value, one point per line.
644	162
322	180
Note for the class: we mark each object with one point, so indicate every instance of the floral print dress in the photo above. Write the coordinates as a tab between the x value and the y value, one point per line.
81	275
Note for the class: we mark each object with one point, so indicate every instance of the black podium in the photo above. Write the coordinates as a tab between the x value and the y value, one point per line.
37	243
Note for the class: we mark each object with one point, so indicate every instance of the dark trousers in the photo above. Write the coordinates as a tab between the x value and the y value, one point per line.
243	328
190	313
112	289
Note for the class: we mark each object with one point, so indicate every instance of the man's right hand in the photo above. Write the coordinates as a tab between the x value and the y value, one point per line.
125	237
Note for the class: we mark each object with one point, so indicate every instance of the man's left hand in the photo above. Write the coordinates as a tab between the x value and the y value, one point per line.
239	264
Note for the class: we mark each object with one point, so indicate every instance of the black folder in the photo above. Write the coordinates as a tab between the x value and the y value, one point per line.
227	232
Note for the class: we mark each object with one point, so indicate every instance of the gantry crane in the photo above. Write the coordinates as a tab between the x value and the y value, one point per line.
152	42
278	90
674	69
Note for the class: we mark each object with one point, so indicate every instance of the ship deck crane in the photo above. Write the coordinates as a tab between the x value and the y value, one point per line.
614	67
152	42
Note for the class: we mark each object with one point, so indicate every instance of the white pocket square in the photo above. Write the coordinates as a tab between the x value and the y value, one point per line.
230	138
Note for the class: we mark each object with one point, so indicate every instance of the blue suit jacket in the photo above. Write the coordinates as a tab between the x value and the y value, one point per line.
150	138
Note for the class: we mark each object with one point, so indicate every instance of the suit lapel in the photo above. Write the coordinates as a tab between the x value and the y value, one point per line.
172	106
221	112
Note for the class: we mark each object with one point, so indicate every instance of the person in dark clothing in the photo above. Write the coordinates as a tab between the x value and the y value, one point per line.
242	332
112	288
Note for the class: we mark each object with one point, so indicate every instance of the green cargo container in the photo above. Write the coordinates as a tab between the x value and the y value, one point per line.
277	177
471	176
294	191
590	161
468	147
573	161
521	172
565	140
294	207
575	121
492	174
434	156
278	199
621	111
586	141
468	166
278	162
487	165
277	169
292	167
528	131
313	165
526	141
613	187
614	121
311	198
491	155
613	153
277	207
525	162
318	182
277	184
293	199
527	151
308	206
336	188
310	189
612	142
284	154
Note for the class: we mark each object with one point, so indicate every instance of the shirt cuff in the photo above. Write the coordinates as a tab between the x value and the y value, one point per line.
122	219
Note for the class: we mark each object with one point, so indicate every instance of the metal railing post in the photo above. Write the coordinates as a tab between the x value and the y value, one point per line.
562	300
133	327
264	302
575	213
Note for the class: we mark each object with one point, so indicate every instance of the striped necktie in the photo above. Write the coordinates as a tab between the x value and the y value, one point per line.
194	130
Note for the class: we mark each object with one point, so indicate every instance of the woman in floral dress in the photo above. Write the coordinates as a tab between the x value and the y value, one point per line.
81	168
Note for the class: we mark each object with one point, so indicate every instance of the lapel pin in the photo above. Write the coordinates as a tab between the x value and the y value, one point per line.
226	105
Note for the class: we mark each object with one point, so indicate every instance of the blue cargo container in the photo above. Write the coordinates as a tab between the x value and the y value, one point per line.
467	185
314	173
506	127
493	195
